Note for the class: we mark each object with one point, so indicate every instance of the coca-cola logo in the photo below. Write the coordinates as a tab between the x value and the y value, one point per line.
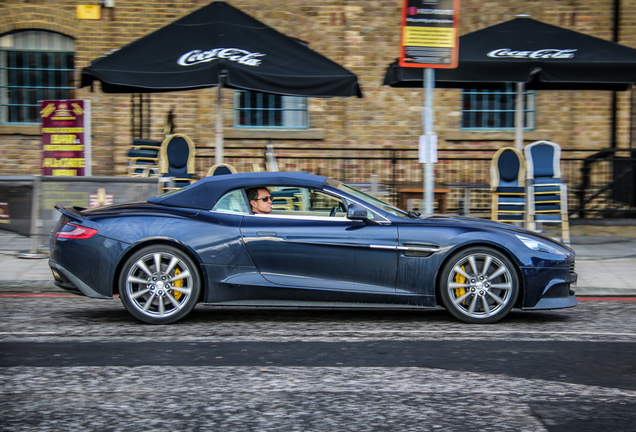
233	54
538	54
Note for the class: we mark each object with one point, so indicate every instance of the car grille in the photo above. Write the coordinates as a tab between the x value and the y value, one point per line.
561	290
573	268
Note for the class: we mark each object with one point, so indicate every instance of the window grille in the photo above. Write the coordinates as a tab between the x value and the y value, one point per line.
34	65
265	110
495	109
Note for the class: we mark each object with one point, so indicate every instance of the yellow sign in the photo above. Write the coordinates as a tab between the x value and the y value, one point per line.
91	12
52	130
63	163
63	139
74	147
429	37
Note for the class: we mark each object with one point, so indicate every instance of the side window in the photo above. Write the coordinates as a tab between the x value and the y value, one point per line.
327	205
232	202
306	202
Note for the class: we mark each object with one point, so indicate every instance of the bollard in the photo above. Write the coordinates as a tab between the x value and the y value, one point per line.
36	221
374	185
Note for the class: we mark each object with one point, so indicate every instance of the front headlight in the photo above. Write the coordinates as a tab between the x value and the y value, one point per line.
539	246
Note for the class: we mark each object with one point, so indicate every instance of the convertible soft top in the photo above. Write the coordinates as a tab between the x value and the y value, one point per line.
205	193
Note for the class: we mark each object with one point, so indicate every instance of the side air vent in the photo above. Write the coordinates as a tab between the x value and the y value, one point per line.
418	249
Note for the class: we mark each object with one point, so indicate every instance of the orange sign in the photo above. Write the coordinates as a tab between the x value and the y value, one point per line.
430	36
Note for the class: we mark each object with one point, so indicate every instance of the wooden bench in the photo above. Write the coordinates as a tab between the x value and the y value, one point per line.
439	194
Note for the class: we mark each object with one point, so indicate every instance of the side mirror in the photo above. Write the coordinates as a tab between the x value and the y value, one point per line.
357	212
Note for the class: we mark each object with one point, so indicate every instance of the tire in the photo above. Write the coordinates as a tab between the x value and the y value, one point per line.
479	285
159	284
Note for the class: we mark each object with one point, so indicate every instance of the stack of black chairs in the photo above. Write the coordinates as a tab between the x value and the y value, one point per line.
143	158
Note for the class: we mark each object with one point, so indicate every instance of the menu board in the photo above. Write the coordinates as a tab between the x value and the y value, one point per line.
66	137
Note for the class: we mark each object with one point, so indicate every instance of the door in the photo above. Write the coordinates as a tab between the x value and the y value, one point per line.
320	248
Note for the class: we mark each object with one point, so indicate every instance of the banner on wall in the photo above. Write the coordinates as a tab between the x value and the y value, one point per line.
66	137
429	36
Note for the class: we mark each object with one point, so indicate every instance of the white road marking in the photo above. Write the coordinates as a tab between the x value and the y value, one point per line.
432	332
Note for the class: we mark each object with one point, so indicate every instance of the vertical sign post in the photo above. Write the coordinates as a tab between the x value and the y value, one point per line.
429	39
66	137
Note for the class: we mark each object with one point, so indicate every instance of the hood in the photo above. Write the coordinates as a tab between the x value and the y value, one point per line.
492	225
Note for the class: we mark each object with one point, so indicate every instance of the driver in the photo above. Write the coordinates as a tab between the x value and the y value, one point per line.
260	200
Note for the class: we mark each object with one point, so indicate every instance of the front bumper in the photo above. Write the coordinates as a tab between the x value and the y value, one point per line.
549	288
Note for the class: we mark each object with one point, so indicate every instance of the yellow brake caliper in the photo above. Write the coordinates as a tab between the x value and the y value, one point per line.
460	279
177	284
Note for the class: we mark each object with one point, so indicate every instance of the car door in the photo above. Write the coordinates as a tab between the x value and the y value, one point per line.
320	248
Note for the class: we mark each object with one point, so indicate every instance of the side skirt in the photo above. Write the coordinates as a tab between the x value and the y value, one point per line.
316	304
259	295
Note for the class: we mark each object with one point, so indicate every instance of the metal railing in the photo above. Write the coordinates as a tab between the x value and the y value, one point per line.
600	184
27	203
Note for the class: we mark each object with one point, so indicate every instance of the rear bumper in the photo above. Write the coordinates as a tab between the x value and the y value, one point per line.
71	283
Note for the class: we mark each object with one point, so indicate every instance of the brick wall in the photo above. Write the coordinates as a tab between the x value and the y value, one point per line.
362	36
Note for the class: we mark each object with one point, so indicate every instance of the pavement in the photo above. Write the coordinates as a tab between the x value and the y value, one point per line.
605	262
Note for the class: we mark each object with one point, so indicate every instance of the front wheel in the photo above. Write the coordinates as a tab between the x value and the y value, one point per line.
479	285
159	284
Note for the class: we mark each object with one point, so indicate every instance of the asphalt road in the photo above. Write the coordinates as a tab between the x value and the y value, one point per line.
71	363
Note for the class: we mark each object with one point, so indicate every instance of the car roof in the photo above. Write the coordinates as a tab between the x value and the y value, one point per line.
204	193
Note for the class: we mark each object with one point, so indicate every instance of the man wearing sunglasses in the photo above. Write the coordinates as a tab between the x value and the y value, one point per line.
260	200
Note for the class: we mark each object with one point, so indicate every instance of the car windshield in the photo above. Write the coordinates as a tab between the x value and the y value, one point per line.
369	198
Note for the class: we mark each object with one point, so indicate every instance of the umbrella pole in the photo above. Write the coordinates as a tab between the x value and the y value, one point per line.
519	116
218	156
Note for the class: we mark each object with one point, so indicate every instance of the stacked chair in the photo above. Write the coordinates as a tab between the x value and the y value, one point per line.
547	193
176	162
143	155
507	173
221	169
143	158
542	198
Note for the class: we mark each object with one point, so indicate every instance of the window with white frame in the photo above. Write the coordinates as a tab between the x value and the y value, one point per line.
35	65
495	109
266	110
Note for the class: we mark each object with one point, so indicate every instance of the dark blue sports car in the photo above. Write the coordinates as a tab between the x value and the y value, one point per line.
322	244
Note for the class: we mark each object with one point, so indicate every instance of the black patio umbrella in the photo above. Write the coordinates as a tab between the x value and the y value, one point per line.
192	52
218	45
542	56
537	55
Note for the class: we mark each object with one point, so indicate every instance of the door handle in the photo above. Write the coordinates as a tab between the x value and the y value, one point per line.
265	233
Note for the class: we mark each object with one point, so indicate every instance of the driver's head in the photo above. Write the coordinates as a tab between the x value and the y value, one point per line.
260	200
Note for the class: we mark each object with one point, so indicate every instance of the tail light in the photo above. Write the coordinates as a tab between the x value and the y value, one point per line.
73	231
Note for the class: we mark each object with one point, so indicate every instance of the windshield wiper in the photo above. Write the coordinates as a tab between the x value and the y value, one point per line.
414	214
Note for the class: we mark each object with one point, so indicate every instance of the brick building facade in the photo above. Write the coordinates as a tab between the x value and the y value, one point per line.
362	36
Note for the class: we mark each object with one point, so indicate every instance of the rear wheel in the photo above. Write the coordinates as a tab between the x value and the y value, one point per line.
479	285
159	284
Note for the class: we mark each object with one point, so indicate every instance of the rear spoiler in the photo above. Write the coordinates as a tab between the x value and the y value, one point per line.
71	212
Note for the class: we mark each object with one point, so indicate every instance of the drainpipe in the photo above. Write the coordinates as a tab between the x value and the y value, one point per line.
616	21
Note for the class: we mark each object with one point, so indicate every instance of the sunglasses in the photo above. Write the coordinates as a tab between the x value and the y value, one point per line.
265	199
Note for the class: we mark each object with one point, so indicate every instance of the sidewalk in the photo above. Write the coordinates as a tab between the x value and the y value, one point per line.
606	264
